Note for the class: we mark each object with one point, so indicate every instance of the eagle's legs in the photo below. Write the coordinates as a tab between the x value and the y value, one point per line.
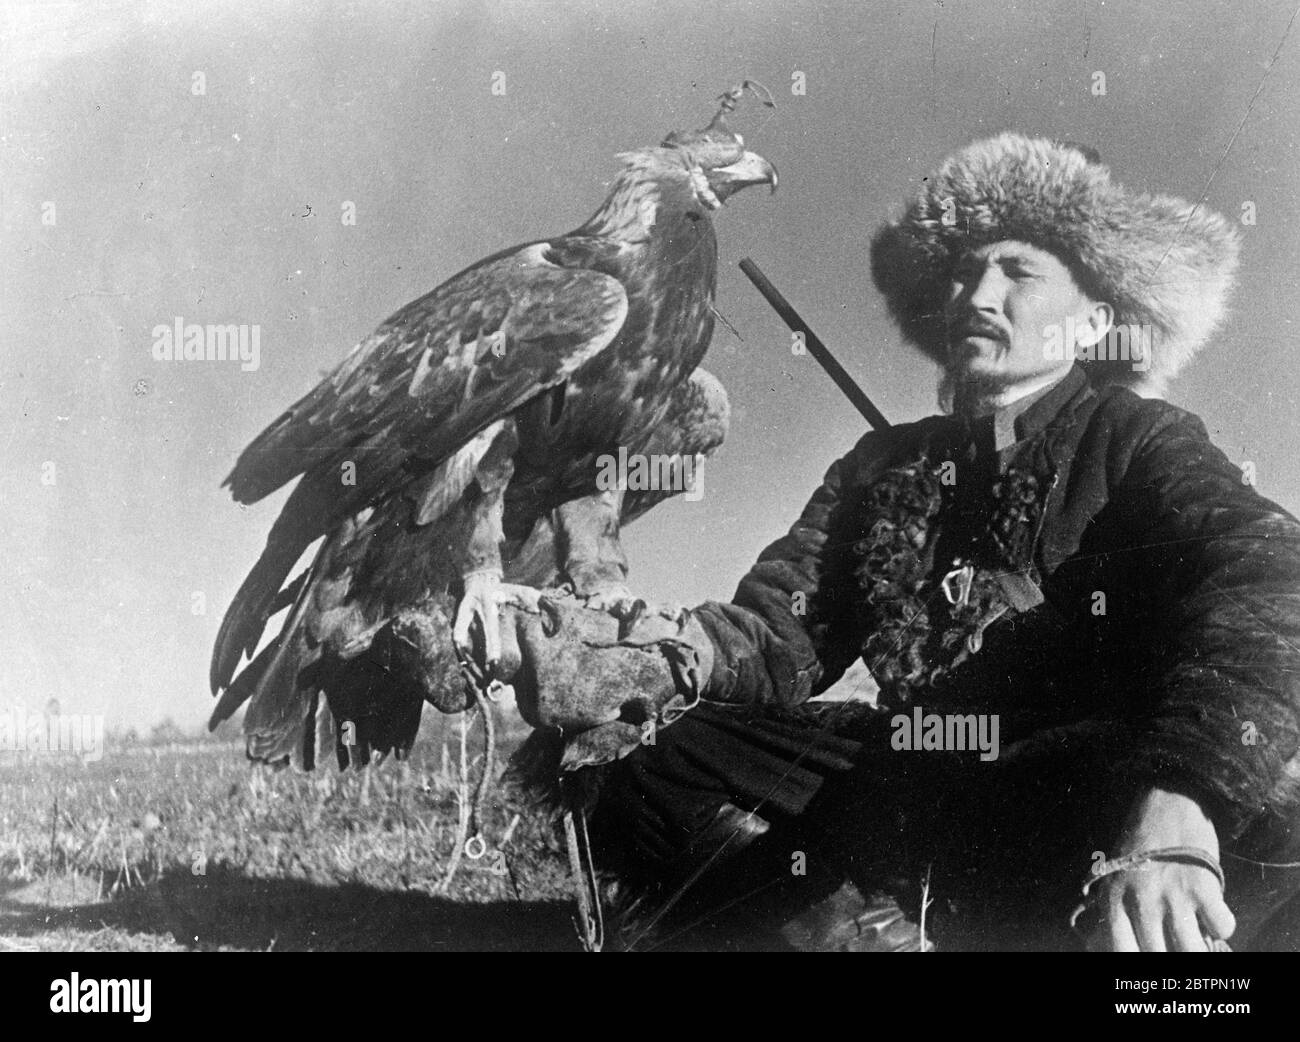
484	597
484	592
593	557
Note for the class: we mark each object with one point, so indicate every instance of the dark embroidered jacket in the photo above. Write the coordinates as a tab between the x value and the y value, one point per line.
1118	593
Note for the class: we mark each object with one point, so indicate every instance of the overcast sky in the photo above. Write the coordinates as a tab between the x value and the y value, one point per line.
225	207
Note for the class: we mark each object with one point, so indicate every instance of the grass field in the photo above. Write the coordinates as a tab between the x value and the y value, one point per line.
184	846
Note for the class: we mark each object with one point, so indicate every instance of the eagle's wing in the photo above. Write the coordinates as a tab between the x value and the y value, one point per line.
431	377
443	367
696	423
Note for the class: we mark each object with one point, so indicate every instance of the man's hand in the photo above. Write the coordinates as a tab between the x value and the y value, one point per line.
1159	905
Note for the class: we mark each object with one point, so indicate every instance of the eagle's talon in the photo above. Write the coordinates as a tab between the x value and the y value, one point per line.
627	622
616	600
675	613
484	597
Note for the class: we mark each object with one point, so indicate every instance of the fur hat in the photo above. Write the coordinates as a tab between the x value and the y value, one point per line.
1164	265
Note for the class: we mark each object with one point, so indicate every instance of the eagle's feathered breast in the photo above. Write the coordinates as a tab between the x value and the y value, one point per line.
618	397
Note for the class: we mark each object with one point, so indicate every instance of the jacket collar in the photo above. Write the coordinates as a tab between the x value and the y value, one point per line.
1042	412
1012	425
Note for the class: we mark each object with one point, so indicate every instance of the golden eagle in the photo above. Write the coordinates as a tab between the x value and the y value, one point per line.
449	462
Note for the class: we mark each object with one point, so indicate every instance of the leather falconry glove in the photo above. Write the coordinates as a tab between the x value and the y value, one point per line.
607	684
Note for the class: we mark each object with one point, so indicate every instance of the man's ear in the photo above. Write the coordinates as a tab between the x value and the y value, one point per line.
1094	324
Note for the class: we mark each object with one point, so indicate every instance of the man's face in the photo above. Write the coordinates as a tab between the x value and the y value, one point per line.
1004	299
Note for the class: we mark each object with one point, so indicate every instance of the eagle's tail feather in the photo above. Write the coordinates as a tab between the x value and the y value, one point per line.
242	687
319	687
281	703
259	597
284	696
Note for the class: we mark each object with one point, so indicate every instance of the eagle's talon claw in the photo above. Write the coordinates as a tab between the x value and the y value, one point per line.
484	597
628	620
617	600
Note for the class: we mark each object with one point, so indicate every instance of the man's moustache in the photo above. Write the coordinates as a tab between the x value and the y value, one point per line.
958	333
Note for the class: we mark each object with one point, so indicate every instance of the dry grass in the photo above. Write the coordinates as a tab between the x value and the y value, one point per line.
186	846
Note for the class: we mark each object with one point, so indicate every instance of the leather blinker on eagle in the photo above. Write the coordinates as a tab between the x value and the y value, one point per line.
447	466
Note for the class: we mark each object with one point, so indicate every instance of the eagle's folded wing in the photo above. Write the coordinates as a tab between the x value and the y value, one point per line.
431	377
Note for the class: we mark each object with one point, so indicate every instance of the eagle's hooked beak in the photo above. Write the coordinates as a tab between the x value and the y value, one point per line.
749	169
